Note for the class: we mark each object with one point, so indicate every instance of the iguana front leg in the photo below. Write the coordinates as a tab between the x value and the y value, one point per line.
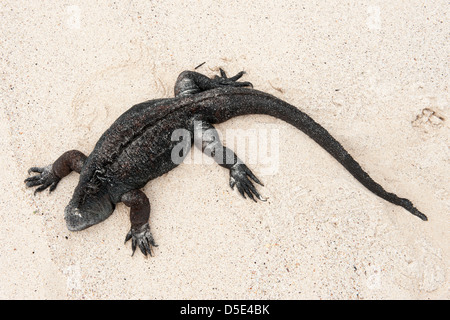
207	139
50	175
139	233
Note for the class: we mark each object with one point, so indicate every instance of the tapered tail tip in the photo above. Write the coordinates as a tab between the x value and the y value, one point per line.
422	216
405	203
417	213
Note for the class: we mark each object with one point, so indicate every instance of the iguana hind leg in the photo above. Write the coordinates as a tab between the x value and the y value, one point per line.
207	139
191	82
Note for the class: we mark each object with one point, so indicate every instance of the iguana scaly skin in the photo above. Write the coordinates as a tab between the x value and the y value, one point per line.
138	148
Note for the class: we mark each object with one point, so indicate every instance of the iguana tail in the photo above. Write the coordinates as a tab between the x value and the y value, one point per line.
242	101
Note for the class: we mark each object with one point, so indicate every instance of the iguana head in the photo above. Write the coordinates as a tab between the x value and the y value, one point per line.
90	204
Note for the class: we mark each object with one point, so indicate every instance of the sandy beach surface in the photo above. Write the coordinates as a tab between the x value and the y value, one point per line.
374	73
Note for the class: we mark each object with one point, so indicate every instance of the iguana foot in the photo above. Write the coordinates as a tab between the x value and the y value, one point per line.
232	81
239	177
46	178
143	238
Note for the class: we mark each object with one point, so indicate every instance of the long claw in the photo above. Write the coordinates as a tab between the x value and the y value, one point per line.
240	176
33	178
260	197
142	247
240	189
36	169
42	188
254	191
133	246
141	237
128	237
237	76
53	186
248	191
147	247
244	84
34	182
253	177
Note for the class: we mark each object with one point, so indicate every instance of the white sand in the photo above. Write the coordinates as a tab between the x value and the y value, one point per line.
375	75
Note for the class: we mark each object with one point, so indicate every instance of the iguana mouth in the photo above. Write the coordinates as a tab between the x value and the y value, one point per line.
93	210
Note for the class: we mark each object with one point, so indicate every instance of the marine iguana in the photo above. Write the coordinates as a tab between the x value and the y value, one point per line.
138	146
